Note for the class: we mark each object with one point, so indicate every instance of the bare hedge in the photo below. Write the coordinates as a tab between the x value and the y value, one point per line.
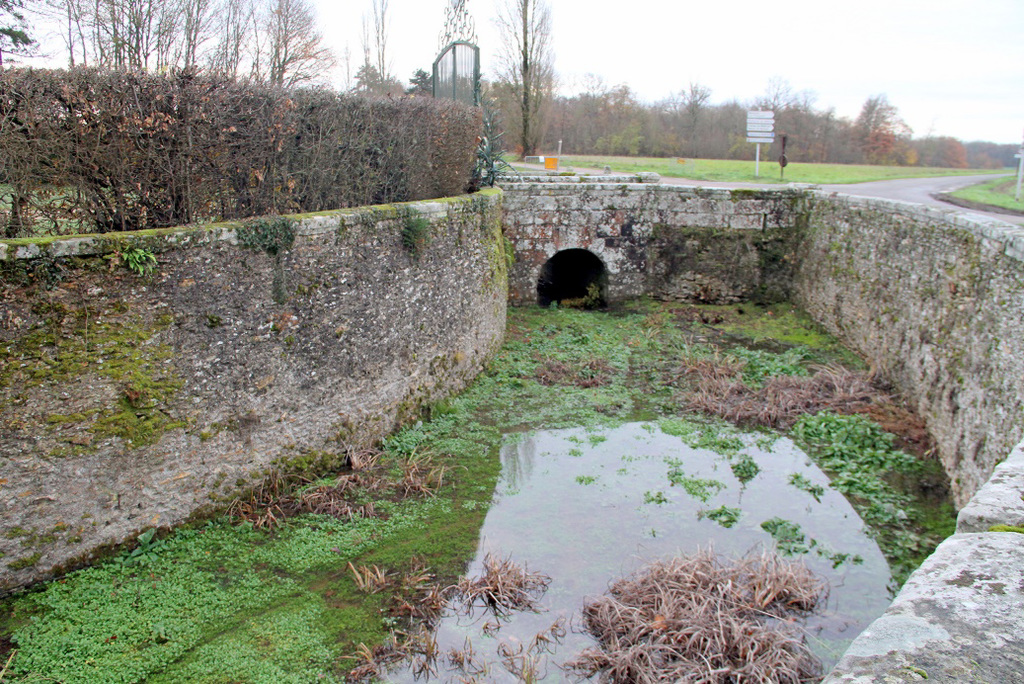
89	150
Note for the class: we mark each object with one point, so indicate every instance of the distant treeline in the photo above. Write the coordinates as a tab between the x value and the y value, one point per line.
612	121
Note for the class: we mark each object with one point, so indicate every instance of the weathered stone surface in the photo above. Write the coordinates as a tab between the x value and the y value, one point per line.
1000	501
930	298
674	242
257	361
957	619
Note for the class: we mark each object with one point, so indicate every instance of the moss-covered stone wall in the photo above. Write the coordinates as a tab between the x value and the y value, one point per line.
935	302
129	401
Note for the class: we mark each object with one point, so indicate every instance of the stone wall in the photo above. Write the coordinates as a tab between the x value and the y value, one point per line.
129	402
673	242
933	300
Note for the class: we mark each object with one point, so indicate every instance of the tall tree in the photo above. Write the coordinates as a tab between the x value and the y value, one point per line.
14	38
380	37
196	28
777	96
881	133
694	101
235	26
292	49
526	66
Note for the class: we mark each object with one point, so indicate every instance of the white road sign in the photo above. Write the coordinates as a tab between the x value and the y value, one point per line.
760	134
760	115
761	140
751	126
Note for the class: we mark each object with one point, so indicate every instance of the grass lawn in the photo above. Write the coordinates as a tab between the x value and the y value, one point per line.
998	193
735	171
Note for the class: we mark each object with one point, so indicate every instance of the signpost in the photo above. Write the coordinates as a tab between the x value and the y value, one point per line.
1020	170
760	129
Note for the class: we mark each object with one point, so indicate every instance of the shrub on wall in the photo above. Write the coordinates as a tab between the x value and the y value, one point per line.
89	150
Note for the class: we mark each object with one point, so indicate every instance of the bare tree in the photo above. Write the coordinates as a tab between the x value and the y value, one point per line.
293	44
196	29
71	16
693	101
380	37
525	65
779	95
236	26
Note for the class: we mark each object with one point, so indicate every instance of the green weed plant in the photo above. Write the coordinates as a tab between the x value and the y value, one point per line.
860	458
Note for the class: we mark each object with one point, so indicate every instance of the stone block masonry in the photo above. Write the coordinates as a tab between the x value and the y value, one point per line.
131	402
679	243
933	301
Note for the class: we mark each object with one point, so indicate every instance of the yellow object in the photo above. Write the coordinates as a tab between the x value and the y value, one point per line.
551	163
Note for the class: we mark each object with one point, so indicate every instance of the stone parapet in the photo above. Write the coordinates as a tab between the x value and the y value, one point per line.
957	619
1000	501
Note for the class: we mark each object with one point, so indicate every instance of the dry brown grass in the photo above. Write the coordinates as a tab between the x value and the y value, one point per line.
502	588
698	619
783	399
420	477
277	497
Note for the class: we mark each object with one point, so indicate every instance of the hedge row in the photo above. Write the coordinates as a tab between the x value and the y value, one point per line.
89	150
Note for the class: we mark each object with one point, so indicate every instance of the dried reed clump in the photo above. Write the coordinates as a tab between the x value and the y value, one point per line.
270	502
782	399
502	587
420	476
697	619
419	648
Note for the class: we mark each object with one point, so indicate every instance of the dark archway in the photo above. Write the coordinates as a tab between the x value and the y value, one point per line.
573	277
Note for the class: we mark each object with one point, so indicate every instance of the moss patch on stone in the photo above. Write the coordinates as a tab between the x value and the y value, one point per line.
108	344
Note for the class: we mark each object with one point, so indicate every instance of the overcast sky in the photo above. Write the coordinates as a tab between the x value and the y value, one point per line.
951	67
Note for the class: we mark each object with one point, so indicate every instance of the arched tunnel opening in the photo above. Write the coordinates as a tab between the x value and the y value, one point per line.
573	277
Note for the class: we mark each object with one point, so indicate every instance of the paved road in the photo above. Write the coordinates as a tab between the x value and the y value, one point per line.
920	190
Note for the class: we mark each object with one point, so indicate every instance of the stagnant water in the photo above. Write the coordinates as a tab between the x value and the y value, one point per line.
588	506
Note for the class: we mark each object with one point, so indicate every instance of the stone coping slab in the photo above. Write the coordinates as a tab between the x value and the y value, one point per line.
1000	501
959	618
642	177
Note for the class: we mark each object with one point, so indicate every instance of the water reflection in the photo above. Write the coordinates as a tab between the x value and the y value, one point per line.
587	507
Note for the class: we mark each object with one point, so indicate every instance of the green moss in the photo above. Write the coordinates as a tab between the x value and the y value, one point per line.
58	419
272	234
781	323
73	344
26	562
1007	528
